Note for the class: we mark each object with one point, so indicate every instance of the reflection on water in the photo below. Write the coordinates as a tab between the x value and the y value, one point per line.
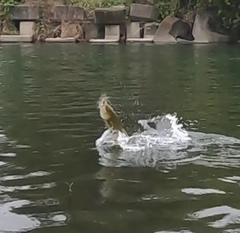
49	124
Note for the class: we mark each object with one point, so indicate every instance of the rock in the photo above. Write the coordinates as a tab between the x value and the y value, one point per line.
202	32
63	12
24	12
143	12
71	29
90	31
172	28
110	16
181	29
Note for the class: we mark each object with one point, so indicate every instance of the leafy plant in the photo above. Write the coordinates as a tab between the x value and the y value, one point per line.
6	25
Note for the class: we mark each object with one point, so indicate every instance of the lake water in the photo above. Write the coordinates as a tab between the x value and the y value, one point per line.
53	179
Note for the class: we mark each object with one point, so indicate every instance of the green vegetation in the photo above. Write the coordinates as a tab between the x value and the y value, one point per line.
6	26
91	4
227	12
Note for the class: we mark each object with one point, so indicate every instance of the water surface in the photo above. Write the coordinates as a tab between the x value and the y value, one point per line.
49	124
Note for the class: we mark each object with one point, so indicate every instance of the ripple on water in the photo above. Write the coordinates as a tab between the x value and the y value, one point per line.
12	222
11	217
231	216
198	191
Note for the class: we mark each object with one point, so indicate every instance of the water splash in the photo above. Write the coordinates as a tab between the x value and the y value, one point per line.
164	132
163	143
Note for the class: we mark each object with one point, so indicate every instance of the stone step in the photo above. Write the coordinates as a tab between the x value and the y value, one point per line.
141	40
103	41
60	40
15	39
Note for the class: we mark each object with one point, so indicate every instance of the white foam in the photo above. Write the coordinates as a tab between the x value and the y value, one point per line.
165	145
167	132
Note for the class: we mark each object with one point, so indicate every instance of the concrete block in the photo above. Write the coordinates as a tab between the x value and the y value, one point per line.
112	35
24	12
149	30
133	30
27	28
112	32
15	39
90	30
110	16
162	35
63	12
143	12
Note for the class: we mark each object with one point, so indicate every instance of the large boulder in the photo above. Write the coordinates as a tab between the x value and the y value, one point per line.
110	16
143	12
24	12
172	28
201	31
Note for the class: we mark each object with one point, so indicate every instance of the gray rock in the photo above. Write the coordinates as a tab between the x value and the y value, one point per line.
162	34
181	29
110	16
172	28
143	12
24	12
62	12
201	31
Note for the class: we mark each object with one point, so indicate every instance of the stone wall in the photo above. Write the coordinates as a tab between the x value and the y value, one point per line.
62	23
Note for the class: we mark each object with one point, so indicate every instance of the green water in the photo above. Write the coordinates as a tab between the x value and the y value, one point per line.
49	122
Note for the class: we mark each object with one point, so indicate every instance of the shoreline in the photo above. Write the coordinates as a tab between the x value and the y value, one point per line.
116	24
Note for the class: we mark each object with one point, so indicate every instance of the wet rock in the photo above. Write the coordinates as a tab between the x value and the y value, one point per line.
143	12
24	12
110	16
172	28
62	12
201	31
